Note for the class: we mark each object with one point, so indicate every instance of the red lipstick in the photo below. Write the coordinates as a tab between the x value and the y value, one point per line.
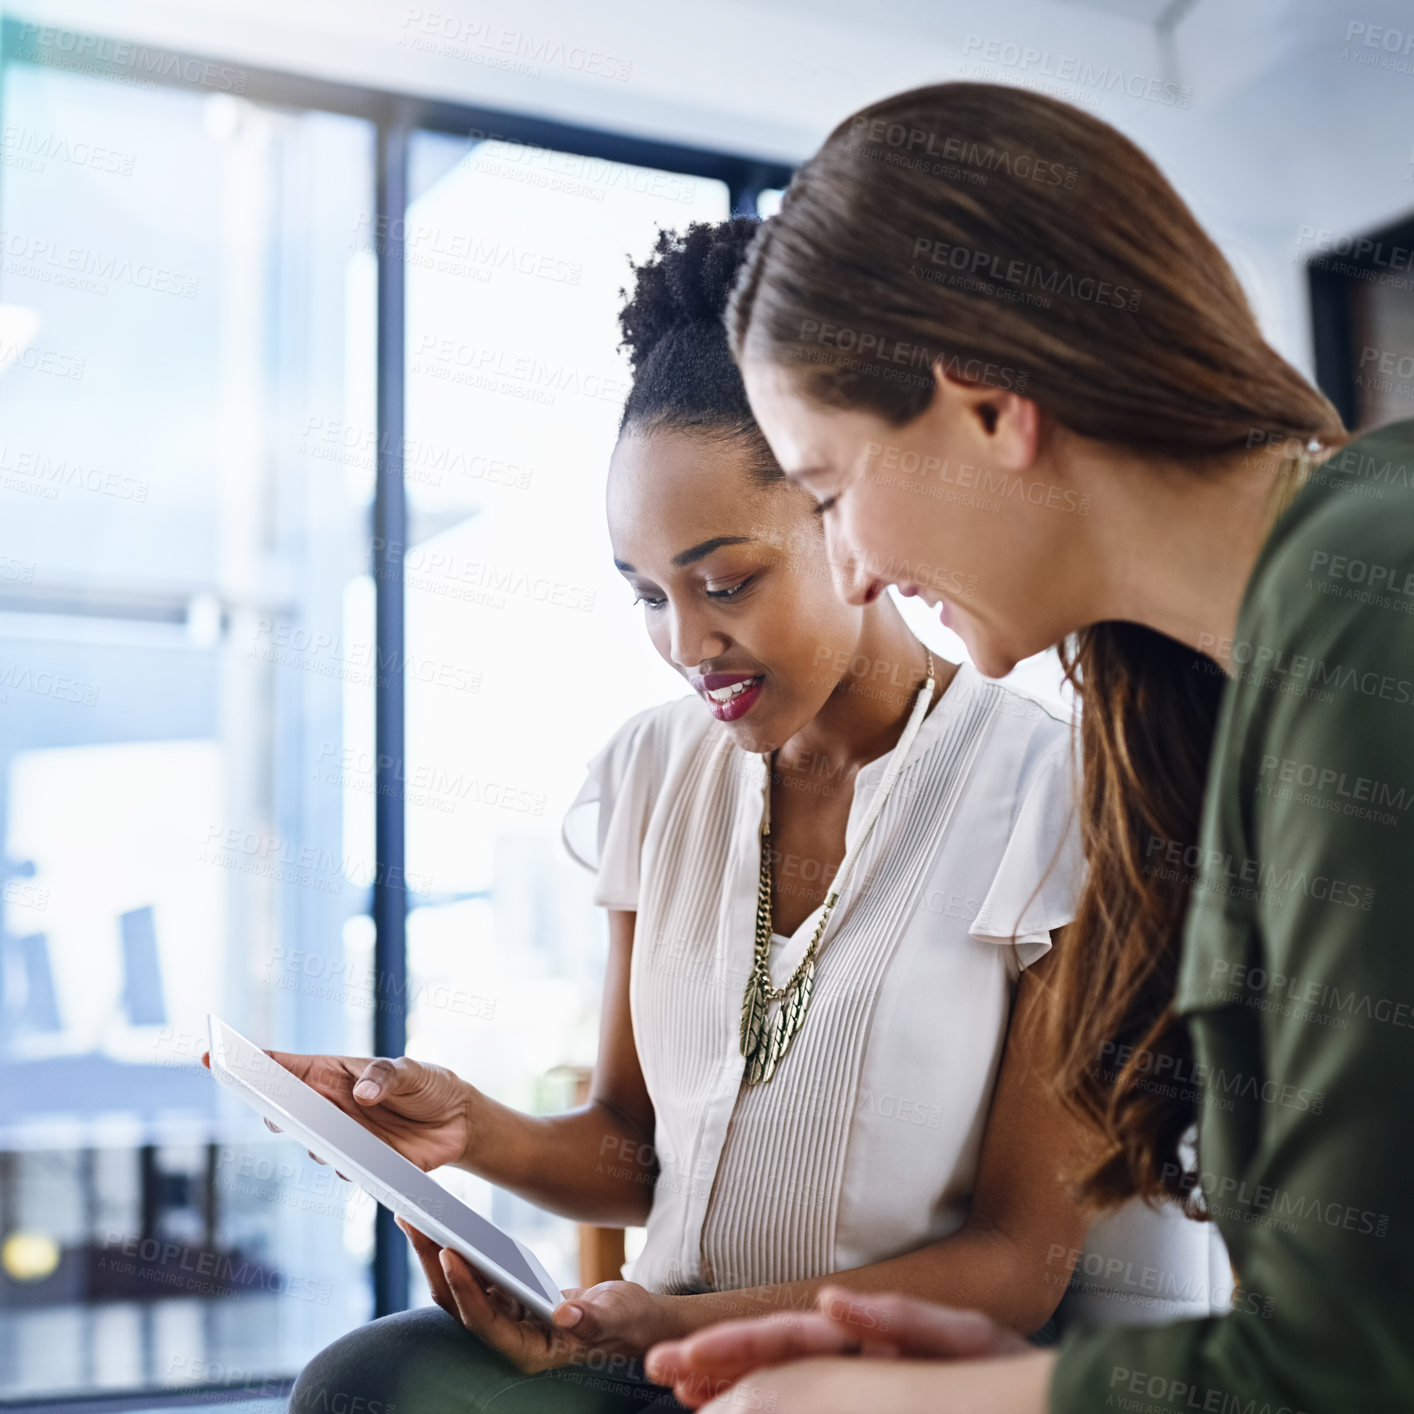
728	696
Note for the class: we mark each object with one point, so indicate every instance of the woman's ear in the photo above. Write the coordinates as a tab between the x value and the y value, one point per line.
994	425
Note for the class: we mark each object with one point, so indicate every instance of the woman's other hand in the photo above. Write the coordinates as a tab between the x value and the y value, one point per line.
615	1319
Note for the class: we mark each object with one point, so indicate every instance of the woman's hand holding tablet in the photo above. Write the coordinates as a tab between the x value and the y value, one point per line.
614	1317
420	1110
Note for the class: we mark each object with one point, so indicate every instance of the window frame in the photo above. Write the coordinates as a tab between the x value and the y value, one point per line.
1332	295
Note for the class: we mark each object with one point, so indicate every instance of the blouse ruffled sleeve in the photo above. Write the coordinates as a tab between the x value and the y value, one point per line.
604	827
1037	885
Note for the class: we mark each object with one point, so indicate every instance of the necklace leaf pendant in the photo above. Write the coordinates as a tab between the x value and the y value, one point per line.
774	1038
798	1001
753	1017
764	1063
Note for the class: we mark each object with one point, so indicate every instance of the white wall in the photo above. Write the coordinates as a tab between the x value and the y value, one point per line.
1284	128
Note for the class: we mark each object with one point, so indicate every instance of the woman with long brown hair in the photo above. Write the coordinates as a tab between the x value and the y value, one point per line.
989	338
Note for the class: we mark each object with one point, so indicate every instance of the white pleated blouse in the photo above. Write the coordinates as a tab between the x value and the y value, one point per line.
865	1144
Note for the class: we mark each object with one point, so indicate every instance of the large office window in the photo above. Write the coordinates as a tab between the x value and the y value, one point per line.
196	663
184	651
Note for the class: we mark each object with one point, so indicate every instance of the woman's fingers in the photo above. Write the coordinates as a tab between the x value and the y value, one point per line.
428	1256
475	1305
509	1306
300	1066
429	1090
332	1076
275	1129
499	1320
323	1163
379	1078
731	1348
488	1312
594	1319
457	1289
612	1313
354	1083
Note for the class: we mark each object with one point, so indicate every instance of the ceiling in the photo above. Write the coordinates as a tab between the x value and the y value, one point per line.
1149	12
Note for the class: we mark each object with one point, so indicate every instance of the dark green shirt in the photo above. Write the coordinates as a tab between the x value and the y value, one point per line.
1297	980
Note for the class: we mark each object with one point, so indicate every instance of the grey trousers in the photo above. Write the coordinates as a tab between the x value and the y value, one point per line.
424	1362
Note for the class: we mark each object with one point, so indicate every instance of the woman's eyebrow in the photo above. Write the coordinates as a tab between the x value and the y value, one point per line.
697	552
700	552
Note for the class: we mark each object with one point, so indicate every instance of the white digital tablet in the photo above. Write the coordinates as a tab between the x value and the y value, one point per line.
339	1139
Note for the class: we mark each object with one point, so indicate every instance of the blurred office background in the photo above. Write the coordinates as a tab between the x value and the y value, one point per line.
308	382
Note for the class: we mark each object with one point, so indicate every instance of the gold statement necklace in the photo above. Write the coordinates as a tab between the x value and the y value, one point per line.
766	1039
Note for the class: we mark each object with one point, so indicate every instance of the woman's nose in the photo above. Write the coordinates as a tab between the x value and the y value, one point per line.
852	578
853	581
694	640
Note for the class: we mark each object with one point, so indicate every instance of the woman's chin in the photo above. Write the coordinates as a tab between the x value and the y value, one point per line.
760	734
992	660
748	738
